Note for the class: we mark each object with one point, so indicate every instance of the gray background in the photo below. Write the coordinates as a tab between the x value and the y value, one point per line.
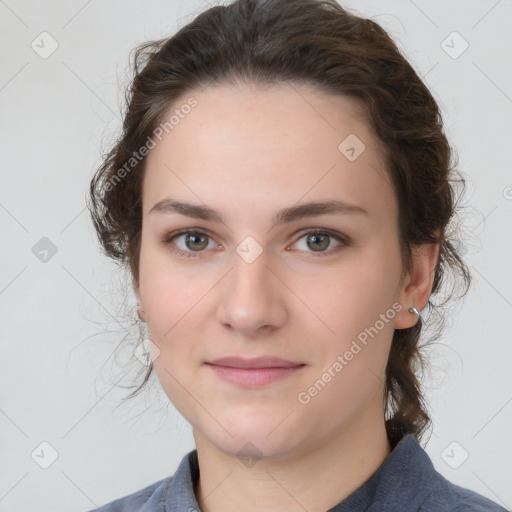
62	318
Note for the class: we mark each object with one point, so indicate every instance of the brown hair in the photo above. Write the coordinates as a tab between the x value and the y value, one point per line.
317	43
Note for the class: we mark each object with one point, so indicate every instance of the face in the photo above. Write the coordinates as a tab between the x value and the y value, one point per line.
246	286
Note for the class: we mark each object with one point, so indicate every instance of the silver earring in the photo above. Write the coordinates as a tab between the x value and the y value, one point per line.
415	311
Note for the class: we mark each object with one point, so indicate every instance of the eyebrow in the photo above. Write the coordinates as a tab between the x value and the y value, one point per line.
286	215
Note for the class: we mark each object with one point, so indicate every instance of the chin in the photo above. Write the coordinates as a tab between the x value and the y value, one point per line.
251	449
253	441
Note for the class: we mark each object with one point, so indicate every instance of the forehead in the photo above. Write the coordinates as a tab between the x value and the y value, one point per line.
267	145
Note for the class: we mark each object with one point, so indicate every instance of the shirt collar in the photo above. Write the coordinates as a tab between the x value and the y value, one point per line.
398	476
396	480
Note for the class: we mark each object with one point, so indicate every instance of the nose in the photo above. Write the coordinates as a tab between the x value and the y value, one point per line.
252	298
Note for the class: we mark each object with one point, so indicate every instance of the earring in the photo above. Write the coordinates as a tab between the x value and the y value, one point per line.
415	311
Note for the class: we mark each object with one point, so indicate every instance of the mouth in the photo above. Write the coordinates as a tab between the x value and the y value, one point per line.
256	372
254	363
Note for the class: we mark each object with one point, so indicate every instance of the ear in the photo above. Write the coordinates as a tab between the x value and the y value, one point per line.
417	285
137	294
140	309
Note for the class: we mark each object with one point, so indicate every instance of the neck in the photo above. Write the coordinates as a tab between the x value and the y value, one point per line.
315	481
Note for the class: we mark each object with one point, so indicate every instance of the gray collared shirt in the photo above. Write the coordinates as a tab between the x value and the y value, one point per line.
405	482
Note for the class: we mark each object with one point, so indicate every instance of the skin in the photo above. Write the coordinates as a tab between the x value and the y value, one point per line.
248	151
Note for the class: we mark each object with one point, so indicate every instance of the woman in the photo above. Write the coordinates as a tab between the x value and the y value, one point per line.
281	196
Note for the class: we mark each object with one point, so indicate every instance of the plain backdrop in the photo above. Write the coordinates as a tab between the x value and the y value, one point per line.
62	311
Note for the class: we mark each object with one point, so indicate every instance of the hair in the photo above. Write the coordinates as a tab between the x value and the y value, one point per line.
319	44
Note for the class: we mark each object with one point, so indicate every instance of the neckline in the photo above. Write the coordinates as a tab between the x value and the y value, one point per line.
390	478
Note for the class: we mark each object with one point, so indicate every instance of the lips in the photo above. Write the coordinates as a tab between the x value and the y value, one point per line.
254	363
254	373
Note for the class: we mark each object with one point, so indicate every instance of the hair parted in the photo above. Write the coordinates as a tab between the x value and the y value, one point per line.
321	44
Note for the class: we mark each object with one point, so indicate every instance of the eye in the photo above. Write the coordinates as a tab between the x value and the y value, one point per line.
193	242
318	240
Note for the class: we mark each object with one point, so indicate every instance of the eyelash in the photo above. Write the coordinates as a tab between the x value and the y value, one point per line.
343	239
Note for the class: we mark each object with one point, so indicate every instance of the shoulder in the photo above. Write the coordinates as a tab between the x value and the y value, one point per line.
408	480
175	492
444	495
144	499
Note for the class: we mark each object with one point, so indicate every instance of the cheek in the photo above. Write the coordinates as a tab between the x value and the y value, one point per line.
167	299
173	306
171	291
175	296
359	308
354	295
